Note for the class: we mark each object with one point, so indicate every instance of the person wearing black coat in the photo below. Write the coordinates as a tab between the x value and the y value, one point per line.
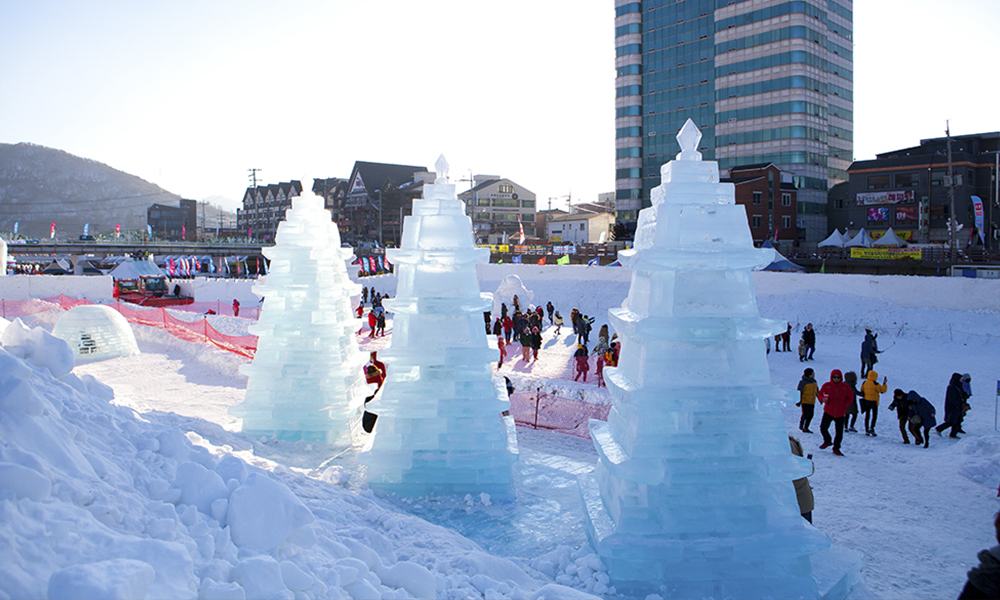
954	403
901	404
984	579
809	337
922	415
497	327
551	310
869	350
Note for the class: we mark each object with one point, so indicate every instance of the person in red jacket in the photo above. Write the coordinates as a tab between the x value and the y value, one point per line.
835	396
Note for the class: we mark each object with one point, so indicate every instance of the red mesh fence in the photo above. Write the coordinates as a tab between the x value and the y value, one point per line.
555	413
192	331
218	308
11	309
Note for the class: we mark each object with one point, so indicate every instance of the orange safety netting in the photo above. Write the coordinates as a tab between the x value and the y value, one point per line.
555	413
192	331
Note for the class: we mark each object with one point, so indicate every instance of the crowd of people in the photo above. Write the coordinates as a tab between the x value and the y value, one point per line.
841	399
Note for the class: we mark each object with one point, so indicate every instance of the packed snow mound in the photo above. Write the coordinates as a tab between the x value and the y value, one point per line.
512	286
116	506
96	332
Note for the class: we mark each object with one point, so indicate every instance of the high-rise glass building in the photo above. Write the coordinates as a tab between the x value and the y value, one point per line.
766	81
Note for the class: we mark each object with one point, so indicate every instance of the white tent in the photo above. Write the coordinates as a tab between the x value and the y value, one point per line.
890	240
862	240
133	269
836	240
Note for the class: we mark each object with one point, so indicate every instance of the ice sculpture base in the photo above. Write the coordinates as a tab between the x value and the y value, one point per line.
332	438
647	564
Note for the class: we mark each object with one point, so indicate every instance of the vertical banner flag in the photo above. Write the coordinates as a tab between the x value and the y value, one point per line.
16	223
978	204
52	232
776	230
86	229
250	232
371	264
593	262
541	260
516	259
118	230
184	233
520	230
149	230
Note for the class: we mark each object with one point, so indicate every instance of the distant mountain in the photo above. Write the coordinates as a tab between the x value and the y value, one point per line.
39	186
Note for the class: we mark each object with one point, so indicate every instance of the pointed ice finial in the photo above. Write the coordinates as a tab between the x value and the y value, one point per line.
442	169
689	137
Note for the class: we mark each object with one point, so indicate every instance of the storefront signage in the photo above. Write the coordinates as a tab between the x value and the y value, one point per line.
886	253
884	198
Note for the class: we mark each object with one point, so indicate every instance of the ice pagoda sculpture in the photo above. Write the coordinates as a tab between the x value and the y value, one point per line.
95	332
440	429
306	380
692	496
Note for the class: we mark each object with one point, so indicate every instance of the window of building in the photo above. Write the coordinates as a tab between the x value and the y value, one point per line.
527	204
505	188
786	222
937	177
756	221
907	180
786	199
581	226
878	182
756	198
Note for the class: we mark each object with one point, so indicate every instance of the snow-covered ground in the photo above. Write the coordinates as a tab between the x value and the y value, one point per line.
160	490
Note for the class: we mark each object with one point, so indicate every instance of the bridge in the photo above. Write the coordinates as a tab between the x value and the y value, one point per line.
157	248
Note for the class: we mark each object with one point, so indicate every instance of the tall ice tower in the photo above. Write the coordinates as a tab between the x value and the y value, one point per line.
440	430
769	81
692	496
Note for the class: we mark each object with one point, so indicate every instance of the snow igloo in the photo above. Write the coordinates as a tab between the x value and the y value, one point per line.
95	333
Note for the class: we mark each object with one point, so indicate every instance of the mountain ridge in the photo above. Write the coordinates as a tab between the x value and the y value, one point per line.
41	185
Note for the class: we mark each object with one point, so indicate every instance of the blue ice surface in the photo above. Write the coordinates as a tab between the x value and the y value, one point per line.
547	513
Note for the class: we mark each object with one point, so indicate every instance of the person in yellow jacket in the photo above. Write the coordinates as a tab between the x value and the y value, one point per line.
808	389
871	389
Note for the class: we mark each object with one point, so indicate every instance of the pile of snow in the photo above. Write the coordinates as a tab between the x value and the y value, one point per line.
98	502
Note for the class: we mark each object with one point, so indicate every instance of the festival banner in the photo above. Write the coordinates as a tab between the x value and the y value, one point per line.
16	223
184	233
886	253
516	259
118	230
564	260
905	234
907	213
885	198
86	229
878	214
52	232
541	260
978	204
149	230
593	262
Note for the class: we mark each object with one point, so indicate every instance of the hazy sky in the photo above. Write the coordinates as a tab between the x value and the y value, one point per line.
191	94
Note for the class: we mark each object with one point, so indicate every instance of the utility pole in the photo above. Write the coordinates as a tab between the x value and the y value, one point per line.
253	176
951	196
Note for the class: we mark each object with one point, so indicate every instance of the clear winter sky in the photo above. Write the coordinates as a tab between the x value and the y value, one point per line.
190	94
